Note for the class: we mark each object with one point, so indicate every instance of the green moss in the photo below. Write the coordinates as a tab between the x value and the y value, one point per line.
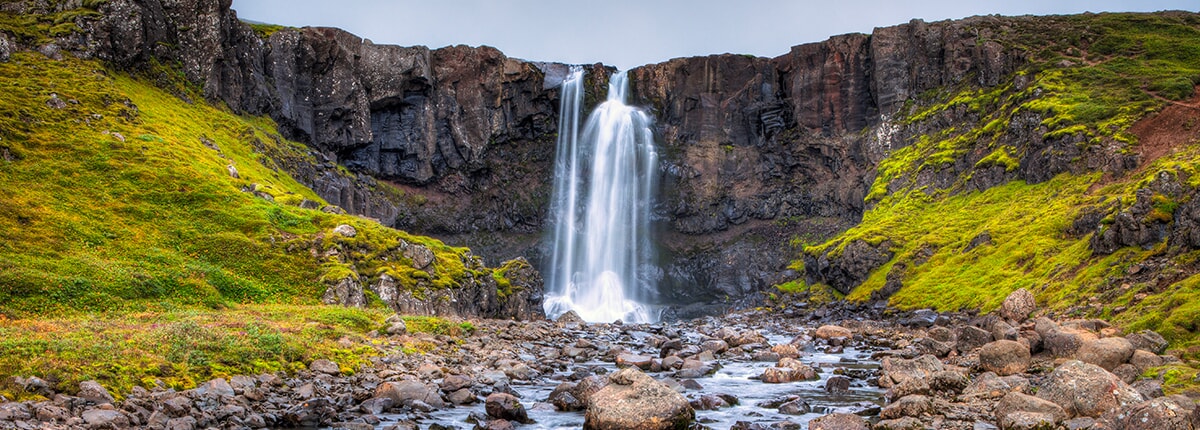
1000	157
265	30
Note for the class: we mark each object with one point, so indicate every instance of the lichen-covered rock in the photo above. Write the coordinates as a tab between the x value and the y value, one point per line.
1018	305
633	400
1084	389
1163	413
507	407
838	421
1015	402
914	406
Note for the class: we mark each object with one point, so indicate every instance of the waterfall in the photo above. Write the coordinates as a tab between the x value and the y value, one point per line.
601	262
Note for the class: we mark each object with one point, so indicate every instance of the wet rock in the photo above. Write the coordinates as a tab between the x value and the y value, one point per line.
1084	389
1004	357
828	332
838	421
795	407
571	396
93	392
1148	340
1108	352
908	406
1018	402
633	400
498	424
788	370
716	346
709	402
1018	305
506	406
405	392
462	397
325	366
895	369
377	405
570	317
971	337
311	413
837	384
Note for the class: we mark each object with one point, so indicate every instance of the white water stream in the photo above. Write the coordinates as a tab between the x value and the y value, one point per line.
601	262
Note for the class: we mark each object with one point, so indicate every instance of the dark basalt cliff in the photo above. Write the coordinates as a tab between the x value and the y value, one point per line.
761	155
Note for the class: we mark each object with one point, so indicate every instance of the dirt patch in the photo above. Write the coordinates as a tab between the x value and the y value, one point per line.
1178	124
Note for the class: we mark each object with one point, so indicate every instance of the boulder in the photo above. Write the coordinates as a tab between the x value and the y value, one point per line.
507	407
971	337
93	392
1004	357
1083	389
905	423
105	418
838	422
1014	403
1148	340
1018	305
569	317
395	325
948	381
640	361
453	383
989	386
925	345
633	400
325	366
407	391
908	406
345	230
1062	342
1108	352
827	332
795	407
1003	331
788	370
897	369
1143	359
216	387
837	384
572	396
1163	413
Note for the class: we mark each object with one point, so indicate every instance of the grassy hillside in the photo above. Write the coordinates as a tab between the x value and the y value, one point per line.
123	233
1084	93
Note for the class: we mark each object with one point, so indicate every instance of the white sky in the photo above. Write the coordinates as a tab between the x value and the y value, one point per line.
629	33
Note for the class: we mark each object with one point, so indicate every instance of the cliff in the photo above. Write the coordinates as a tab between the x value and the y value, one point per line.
764	159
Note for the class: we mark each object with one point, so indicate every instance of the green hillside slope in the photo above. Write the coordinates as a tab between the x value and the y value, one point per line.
956	244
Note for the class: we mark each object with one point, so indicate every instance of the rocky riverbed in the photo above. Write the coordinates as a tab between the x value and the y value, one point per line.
832	367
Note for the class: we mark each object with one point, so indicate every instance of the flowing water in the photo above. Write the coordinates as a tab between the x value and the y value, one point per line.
600	265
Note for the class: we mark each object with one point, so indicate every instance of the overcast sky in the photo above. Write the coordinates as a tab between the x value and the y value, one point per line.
629	33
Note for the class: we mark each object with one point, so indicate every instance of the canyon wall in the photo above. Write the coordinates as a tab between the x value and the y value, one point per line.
760	155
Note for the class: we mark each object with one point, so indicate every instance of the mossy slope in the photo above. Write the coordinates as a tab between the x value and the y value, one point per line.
961	239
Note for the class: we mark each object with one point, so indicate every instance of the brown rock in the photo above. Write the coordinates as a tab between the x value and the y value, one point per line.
633	400
1004	357
1108	352
1084	389
896	370
1018	305
507	407
828	332
1163	413
407	391
971	337
1014	402
838	422
1148	340
640	361
1142	360
908	406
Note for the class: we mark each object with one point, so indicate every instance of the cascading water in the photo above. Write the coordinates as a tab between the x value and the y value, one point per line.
601	265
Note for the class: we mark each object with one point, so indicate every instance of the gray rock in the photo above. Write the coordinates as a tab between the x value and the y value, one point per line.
102	418
1148	340
896	370
346	292
93	392
1084	389
405	392
1143	360
218	387
506	406
634	400
971	337
1004	357
6	48
1018	305
570	317
1062	342
345	230
1157	414
837	384
13	411
948	381
795	407
325	366
1003	331
395	326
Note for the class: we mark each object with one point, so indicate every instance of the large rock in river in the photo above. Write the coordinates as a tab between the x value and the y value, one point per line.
634	401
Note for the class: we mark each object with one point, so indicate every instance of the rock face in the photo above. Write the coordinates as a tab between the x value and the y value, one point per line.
756	151
633	400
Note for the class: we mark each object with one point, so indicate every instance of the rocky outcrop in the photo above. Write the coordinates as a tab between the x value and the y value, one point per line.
759	154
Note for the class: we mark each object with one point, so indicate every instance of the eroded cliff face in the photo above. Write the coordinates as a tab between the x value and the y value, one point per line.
760	155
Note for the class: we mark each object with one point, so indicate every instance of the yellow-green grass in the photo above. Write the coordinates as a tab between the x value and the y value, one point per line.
89	222
181	347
